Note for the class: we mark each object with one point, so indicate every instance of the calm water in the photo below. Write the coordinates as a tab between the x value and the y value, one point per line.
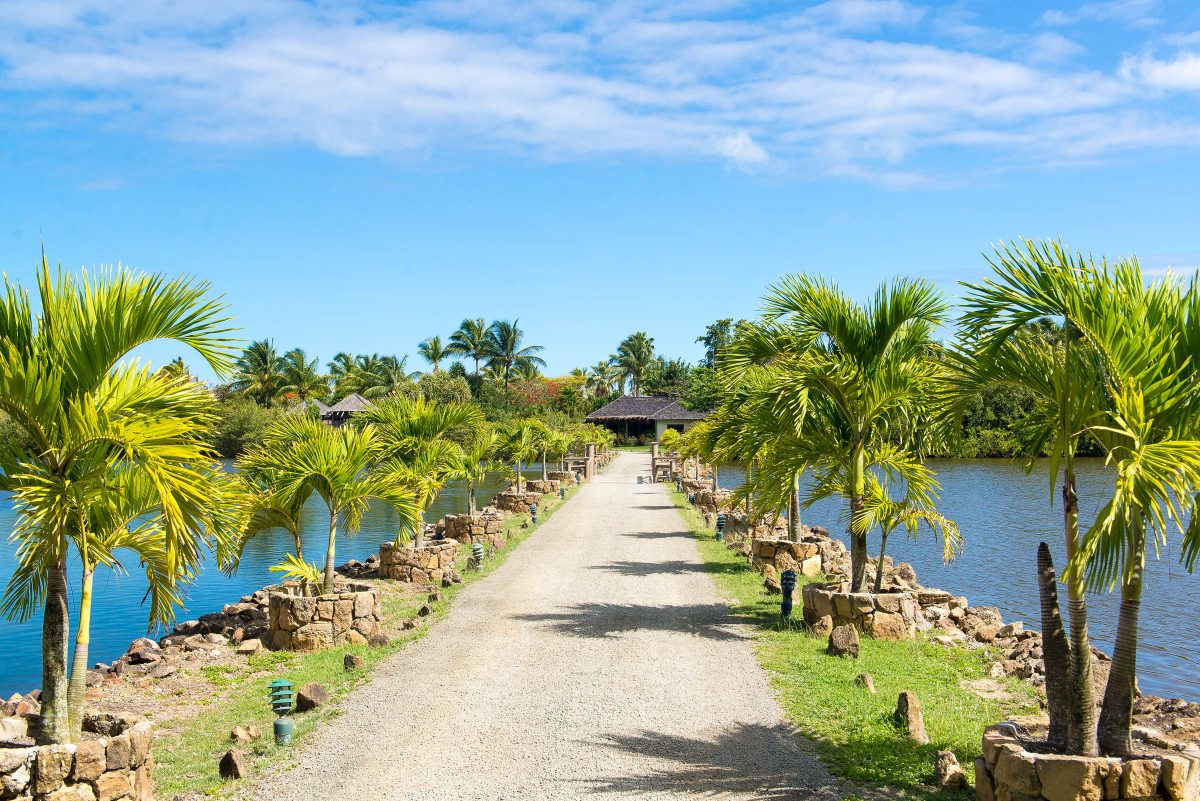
1003	515
118	615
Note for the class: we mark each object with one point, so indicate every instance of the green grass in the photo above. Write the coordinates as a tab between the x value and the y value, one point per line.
632	448
852	728
187	753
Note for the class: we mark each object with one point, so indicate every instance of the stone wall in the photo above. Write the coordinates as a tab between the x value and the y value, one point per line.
812	556
886	616
120	766
547	487
313	623
486	527
562	477
516	502
429	564
1007	770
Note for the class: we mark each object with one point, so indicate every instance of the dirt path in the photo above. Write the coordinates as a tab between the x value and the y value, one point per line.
597	661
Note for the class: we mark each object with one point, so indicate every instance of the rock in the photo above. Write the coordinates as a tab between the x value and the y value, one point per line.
890	626
1011	629
90	761
112	786
140	735
1139	778
142	643
11	727
1180	777
145	656
163	670
996	670
425	610
119	753
234	764
772	587
244	735
947	773
52	765
249	647
311	696
1074	778
909	717
378	640
985	790
843	641
1016	771
352	662
865	681
823	627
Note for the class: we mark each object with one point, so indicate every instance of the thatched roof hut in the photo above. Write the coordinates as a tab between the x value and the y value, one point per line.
339	412
644	416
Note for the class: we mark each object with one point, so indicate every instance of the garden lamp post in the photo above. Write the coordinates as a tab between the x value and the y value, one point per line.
282	702
533	512
562	492
721	519
678	483
787	582
477	555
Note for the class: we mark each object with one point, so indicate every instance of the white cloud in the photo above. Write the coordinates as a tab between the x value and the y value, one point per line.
1128	12
1179	73
561	79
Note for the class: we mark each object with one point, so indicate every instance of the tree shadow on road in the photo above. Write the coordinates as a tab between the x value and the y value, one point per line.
676	567
750	760
598	620
658	535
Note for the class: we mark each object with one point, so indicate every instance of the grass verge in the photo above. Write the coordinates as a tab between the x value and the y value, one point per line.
186	751
851	727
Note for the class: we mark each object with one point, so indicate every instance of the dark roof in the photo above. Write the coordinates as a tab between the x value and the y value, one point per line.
349	405
646	407
302	406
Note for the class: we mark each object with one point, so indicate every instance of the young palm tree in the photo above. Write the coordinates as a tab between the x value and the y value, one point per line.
635	358
434	352
175	369
506	351
259	372
521	445
299	377
477	462
866	371
345	466
93	417
471	341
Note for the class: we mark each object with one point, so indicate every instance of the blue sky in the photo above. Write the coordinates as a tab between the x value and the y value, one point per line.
358	176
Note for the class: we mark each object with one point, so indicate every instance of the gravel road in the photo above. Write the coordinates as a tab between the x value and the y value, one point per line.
597	661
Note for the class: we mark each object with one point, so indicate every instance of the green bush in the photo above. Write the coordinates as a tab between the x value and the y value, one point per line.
240	425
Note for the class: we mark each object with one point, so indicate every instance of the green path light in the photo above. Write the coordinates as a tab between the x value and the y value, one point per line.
283	700
533	511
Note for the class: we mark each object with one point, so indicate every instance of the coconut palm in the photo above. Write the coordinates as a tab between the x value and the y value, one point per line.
175	369
866	370
345	466
300	378
341	373
93	419
378	376
434	352
635	359
521	444
506	350
476	462
470	341
259	372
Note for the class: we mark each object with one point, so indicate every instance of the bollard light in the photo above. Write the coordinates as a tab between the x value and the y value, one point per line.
692	498
579	478
678	484
533	511
282	702
787	582
562	492
477	555
721	526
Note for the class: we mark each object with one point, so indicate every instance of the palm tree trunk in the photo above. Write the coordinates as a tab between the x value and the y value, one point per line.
299	552
330	552
716	469
1116	714
55	726
543	465
518	476
1056	653
879	564
77	685
858	542
470	497
794	510
1081	725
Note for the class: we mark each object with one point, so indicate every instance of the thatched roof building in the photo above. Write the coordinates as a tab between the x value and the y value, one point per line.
339	412
311	403
644	416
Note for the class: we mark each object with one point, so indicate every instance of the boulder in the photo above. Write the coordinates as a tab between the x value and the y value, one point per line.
378	640
311	696
947	773
1139	778
234	764
909	717
843	641
823	626
1180	775
985	790
352	662
865	681
1016	771
249	647
244	735
112	786
1075	778
90	761
52	766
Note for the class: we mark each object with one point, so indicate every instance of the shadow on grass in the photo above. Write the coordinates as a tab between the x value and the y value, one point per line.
675	567
749	760
597	620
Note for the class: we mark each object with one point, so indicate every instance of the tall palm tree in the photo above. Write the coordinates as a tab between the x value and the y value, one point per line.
866	370
506	350
94	418
176	368
434	352
600	378
471	341
635	359
300	378
345	466
341	373
378	376
259	372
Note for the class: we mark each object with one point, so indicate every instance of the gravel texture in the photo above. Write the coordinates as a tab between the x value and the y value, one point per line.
597	661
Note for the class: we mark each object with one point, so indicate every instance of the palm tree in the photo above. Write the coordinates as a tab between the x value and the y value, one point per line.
432	351
866	371
95	419
470	341
521	445
477	462
300	378
345	466
175	369
341	373
378	376
601	377
505	349
635	358
259	372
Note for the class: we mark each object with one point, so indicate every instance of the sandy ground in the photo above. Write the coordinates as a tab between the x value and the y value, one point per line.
597	661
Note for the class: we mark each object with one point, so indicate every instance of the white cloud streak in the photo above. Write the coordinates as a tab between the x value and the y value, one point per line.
834	89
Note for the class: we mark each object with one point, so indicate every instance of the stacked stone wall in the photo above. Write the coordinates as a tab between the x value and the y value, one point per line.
313	623
430	563
486	527
562	477
548	487
811	557
119	766
886	616
516	502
